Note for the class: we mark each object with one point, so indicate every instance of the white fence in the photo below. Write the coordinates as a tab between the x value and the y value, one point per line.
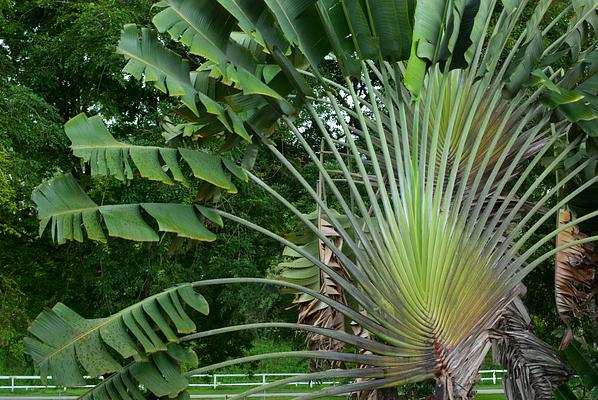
223	380
14	383
493	375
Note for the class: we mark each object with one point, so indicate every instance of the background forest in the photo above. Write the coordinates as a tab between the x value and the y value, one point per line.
57	59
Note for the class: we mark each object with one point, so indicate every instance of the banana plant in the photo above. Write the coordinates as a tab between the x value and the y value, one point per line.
438	116
126	345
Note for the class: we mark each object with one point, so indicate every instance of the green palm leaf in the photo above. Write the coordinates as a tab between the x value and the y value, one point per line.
92	142
63	203
168	72
300	270
203	26
162	67
160	375
206	29
63	342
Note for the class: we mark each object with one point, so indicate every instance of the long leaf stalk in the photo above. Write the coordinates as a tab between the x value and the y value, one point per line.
479	224
362	343
365	301
361	235
407	363
352	373
387	210
364	321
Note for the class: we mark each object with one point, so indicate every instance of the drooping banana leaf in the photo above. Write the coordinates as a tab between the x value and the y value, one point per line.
202	26
167	71
160	375
206	29
62	343
237	102
570	92
93	143
312	311
300	270
314	29
63	205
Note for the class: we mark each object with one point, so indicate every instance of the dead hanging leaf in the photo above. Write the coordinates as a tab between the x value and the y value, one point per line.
317	313
462	364
533	369
575	276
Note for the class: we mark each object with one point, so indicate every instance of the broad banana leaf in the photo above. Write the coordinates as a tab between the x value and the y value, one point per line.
311	311
315	312
93	143
171	74
63	204
63	343
160	375
276	33
300	270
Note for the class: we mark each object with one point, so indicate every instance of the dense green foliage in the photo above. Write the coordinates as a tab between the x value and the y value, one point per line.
75	44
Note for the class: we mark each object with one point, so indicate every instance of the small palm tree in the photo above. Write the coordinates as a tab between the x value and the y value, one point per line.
436	119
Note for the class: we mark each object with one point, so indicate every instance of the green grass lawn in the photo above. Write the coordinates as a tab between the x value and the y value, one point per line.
221	390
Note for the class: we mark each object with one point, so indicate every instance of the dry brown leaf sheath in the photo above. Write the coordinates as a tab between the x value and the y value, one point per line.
575	276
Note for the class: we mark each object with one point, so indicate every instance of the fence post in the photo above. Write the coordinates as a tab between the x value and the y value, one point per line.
215	381
263	379
12	384
494	377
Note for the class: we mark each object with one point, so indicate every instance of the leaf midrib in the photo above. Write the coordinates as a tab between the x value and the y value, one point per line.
118	146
